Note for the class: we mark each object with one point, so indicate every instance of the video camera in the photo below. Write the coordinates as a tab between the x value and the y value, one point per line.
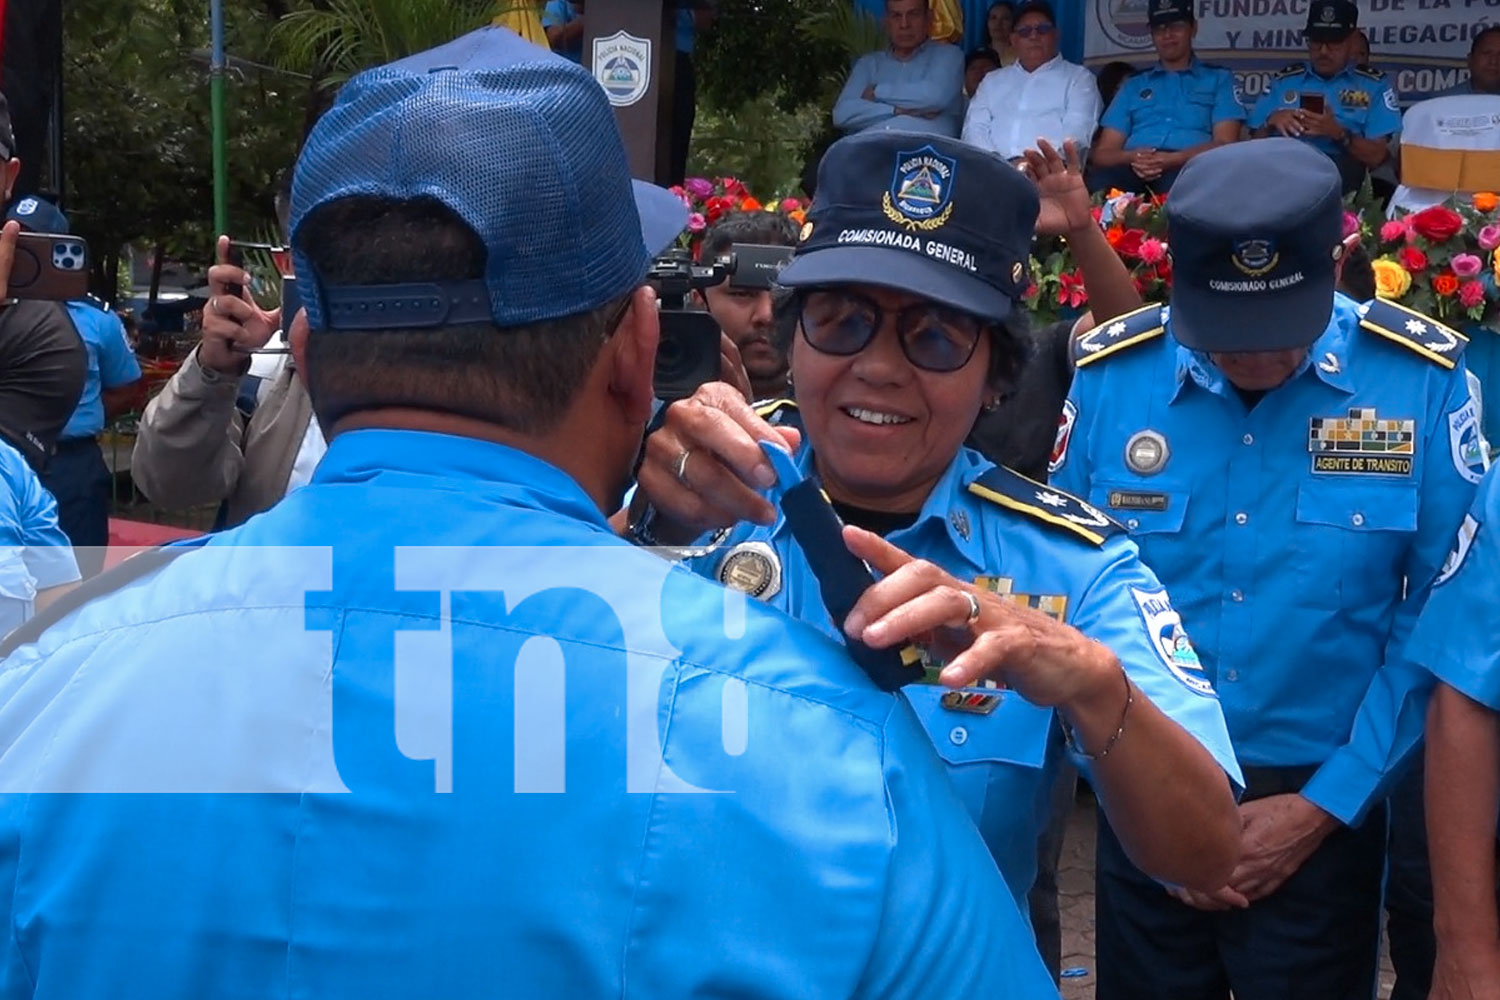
688	355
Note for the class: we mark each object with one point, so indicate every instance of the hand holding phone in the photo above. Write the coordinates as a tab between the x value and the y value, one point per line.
1314	103
49	266
233	325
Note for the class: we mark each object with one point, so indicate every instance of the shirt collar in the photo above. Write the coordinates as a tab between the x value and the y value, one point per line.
512	476
1050	64
1325	358
1192	67
914	52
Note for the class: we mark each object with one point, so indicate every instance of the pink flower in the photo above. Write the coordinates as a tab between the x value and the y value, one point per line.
1489	237
1153	250
698	187
1470	293
697	223
1393	230
790	204
1466	265
1351	223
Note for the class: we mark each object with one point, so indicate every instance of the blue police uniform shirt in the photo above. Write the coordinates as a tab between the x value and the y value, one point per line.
1173	109
34	553
1002	762
490	746
557	14
932	78
1359	98
1299	539
1457	637
687	31
112	364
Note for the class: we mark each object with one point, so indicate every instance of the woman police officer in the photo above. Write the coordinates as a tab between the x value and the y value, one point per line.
911	261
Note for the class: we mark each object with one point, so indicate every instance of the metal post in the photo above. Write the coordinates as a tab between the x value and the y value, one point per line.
216	98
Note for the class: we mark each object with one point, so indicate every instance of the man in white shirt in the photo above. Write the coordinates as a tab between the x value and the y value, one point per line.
1039	96
915	85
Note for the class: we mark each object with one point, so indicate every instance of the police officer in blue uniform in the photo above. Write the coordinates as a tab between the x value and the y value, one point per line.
1347	112
1458	640
493	749
76	474
1165	115
1293	466
36	561
907	272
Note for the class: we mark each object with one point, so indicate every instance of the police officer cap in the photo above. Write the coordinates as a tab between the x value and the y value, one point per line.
1254	273
919	213
1331	20
37	215
1159	12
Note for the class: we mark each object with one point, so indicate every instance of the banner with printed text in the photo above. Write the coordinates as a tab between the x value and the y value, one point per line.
1419	44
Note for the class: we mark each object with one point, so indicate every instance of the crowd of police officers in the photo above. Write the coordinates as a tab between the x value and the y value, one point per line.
774	703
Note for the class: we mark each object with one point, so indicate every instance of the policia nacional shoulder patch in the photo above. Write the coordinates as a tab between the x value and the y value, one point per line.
1052	507
1119	333
1437	343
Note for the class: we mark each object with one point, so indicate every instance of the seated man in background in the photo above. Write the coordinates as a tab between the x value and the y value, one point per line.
744	311
914	85
1484	65
1039	96
1168	113
77	475
980	64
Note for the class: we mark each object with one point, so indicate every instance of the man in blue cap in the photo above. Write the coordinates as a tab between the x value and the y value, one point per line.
1293	465
1166	114
1348	112
492	748
76	474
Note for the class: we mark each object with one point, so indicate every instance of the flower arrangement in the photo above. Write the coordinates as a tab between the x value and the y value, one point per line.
708	201
1443	260
1135	226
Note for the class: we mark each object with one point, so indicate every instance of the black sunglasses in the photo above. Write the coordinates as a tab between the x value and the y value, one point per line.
1035	29
935	338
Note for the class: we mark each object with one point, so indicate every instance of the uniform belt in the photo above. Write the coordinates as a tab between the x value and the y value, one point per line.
67	444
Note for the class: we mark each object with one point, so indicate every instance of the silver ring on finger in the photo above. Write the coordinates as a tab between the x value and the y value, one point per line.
680	471
973	607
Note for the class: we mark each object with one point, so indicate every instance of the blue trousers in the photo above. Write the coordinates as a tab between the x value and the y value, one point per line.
77	476
1315	938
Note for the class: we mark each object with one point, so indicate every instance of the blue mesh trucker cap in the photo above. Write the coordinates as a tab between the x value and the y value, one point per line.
522	145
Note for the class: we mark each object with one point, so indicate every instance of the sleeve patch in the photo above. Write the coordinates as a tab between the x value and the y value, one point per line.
1390	100
1466	443
1065	423
1461	547
1170	641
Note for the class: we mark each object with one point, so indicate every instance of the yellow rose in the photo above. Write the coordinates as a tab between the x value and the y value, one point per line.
1495	263
1392	280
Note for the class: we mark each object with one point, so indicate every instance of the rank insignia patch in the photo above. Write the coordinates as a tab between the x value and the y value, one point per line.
1354	98
921	192
1362	444
970	702
1054	606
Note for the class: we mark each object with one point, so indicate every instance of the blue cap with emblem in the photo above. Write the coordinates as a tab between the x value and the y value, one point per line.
522	145
38	215
1254	273
1331	20
919	213
1160	12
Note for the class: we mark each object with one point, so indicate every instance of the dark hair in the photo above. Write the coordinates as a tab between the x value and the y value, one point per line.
1474	42
1111	75
1041	7
1010	338
769	228
983	52
520	378
1357	278
999	3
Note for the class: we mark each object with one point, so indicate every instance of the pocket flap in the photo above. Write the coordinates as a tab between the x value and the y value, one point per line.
1358	506
1143	507
1016	732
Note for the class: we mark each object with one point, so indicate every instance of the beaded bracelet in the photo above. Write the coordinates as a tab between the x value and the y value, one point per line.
1109	745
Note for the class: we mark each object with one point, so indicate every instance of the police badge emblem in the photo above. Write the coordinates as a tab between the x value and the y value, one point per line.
622	65
1146	452
752	568
1255	257
921	191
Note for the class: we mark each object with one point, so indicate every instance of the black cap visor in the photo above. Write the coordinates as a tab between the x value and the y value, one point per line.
898	270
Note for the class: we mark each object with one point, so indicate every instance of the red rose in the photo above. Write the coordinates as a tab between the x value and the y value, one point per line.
1445	284
716	206
1412	259
1130	244
1437	223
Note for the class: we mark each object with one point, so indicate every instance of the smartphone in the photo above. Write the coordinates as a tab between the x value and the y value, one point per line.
50	266
1313	103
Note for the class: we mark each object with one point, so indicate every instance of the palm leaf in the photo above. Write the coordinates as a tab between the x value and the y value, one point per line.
353	35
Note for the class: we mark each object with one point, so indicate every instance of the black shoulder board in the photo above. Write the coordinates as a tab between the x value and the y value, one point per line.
111	580
1439	344
1369	72
1063	511
1119	333
778	411
1293	70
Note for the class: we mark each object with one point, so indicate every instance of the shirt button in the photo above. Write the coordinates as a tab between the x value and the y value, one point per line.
1248	439
1236	596
1357	519
1132	524
1241	518
1231	675
958	736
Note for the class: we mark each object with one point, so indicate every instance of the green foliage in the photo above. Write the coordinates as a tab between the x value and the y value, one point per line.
339	38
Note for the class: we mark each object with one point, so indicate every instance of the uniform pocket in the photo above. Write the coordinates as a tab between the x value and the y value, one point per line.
1347	530
1015	732
1144	508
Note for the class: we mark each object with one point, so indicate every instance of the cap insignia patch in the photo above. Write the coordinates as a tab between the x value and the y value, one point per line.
1255	257
921	191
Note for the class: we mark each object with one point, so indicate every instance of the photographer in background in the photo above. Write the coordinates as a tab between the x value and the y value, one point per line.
741	304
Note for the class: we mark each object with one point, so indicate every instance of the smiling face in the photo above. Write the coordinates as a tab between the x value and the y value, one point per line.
883	430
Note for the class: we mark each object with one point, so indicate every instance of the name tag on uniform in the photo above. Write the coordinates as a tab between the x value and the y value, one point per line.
1363	443
1133	500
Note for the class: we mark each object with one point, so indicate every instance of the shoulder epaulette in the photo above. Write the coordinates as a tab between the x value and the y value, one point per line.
1292	70
1053	507
776	411
1369	72
1119	333
1439	344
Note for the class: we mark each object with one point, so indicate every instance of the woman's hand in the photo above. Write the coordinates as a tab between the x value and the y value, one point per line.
1047	662
1066	207
703	467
